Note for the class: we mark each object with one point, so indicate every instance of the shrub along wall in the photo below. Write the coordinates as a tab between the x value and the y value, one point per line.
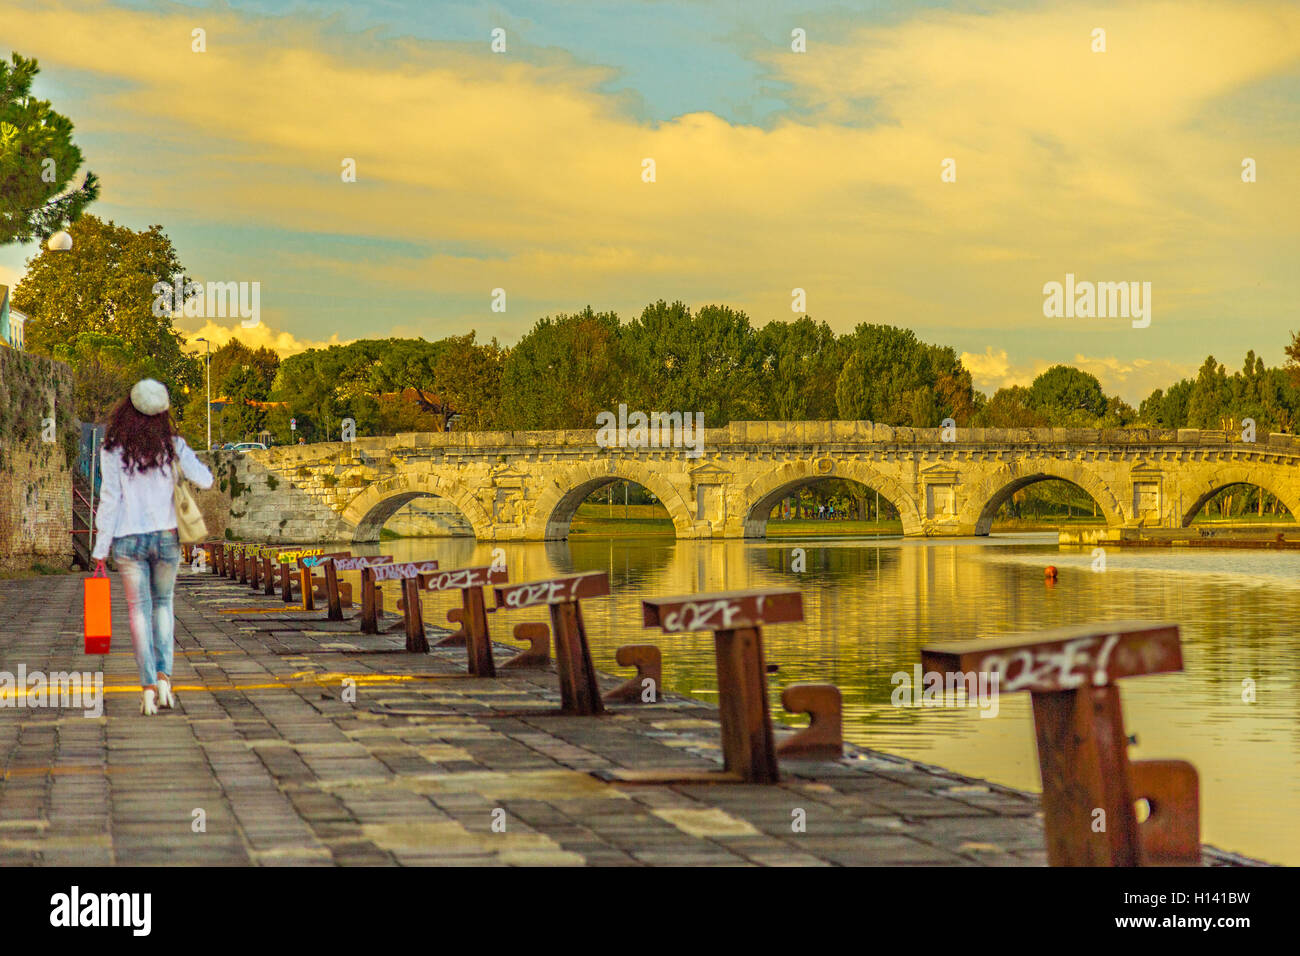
36	460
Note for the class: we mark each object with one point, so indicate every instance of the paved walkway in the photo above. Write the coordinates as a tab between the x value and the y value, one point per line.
425	766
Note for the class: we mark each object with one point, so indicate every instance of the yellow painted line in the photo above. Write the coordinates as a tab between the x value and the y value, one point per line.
176	653
57	771
300	679
261	610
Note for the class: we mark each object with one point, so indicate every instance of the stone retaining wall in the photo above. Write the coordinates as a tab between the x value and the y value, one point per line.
38	448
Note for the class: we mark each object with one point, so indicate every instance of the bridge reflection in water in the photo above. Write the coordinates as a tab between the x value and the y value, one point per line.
871	604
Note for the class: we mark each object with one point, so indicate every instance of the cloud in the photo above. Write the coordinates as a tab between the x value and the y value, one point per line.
260	336
1132	380
520	172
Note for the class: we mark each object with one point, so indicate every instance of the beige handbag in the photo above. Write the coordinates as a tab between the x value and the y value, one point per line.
190	526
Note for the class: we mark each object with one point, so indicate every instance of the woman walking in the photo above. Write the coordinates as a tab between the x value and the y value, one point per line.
137	520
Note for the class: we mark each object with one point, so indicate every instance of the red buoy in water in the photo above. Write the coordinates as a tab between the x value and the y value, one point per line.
1050	572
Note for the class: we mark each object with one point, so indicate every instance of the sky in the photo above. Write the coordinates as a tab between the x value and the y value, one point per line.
774	169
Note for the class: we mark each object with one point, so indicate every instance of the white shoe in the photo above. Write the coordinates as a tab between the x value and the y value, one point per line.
147	705
166	699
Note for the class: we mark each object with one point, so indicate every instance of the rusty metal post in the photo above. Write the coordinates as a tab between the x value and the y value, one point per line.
579	690
477	641
332	593
823	738
416	642
1089	785
648	661
747	744
369	609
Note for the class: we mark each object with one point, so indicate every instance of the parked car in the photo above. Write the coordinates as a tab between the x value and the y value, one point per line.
244	445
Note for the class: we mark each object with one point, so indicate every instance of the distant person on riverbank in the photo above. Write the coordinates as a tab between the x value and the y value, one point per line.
137	520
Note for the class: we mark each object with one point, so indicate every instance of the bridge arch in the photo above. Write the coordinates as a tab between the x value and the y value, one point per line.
985	499
1226	478
367	512
757	499
557	505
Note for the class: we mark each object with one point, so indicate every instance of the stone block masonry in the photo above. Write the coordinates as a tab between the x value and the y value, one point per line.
36	473
526	486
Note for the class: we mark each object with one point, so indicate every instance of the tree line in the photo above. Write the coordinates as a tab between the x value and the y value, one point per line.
93	307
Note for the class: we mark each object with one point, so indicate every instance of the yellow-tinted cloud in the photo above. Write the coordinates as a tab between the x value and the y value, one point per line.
259	336
523	175
1132	379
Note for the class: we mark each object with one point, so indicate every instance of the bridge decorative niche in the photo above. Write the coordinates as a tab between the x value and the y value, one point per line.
940	492
527	485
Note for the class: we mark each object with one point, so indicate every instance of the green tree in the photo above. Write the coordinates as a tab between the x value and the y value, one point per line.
890	376
800	362
953	389
709	362
1009	408
469	379
105	370
105	285
323	386
1207	407
1293	363
307	384
38	161
239	420
234	354
1067	397
565	371
1167	409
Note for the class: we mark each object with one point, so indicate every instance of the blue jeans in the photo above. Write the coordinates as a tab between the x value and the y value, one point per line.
148	564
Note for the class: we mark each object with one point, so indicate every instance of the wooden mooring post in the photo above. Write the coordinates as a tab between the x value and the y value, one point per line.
337	594
471	582
1089	784
287	560
409	574
268	574
579	692
736	619
306	564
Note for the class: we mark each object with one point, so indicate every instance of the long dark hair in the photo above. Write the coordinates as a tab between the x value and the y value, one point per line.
145	440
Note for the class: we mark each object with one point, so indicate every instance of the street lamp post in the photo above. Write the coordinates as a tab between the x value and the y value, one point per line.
208	364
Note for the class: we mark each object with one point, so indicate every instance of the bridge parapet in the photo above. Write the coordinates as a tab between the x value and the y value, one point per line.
822	432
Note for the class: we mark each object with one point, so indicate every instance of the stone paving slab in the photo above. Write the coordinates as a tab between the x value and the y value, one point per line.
301	742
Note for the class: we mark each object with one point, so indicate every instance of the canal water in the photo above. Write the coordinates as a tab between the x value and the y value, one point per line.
870	604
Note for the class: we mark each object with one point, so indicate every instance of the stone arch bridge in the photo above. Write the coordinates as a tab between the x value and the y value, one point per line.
527	485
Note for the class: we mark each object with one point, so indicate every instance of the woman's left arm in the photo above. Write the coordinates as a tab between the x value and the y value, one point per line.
110	497
191	467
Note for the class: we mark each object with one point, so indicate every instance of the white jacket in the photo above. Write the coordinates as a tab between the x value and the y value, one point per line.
141	501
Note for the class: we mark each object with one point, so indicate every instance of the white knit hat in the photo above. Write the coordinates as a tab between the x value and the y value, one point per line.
149	396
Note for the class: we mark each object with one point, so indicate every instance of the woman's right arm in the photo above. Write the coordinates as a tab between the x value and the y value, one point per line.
110	496
191	467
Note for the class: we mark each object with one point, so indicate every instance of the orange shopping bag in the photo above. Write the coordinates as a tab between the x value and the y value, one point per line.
98	613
